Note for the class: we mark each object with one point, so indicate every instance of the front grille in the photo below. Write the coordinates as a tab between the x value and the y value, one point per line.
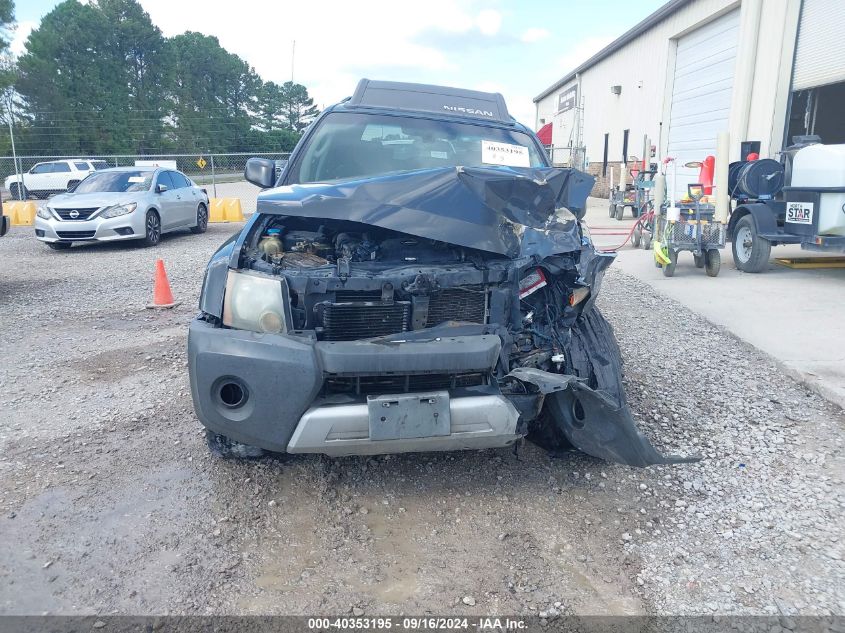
75	235
370	385
352	321
468	304
84	214
360	296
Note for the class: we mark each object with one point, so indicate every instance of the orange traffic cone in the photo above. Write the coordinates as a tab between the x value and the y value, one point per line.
162	296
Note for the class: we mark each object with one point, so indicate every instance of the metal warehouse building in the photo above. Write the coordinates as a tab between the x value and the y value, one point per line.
764	70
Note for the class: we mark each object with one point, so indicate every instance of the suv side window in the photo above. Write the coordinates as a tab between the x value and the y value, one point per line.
42	168
164	179
81	166
59	168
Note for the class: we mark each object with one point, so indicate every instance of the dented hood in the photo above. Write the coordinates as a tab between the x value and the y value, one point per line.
512	211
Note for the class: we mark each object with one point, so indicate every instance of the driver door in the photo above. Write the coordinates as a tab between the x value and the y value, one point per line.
168	202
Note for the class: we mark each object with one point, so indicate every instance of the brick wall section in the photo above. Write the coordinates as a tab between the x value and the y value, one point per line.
600	189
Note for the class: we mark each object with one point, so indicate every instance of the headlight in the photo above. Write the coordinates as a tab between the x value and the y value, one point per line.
117	210
255	303
43	212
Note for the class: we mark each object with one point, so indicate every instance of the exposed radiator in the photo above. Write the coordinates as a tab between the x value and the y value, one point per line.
352	321
467	304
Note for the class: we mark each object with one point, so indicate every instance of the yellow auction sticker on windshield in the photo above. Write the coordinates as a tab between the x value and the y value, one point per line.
495	153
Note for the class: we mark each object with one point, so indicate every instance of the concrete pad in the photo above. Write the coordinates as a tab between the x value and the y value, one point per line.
795	316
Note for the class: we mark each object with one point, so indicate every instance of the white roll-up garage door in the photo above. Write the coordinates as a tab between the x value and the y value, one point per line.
701	92
820	55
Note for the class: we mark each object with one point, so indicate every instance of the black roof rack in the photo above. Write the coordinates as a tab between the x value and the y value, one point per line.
396	95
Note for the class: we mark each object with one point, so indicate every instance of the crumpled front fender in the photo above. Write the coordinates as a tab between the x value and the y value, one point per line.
593	422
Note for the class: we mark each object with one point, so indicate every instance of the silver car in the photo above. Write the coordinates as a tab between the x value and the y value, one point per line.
123	203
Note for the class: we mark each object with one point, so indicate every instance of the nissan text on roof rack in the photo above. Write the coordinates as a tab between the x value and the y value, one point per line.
415	279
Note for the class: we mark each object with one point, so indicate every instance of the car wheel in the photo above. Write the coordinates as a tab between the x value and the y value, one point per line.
152	226
712	263
637	236
59	246
228	448
669	269
751	252
18	191
202	220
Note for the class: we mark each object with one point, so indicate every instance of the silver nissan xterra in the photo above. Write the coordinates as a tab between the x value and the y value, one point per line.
416	278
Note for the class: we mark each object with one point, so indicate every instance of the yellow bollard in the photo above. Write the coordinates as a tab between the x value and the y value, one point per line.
25	215
216	210
233	212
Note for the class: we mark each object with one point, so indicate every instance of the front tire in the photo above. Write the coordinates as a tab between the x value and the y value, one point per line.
18	191
751	252
620	211
612	210
669	269
152	226
637	236
59	246
202	220
712	263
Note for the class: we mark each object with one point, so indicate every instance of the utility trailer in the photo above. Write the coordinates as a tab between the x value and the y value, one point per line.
797	200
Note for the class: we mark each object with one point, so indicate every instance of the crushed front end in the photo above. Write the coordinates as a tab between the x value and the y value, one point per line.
442	309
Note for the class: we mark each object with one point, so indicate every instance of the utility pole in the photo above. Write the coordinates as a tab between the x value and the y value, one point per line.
12	137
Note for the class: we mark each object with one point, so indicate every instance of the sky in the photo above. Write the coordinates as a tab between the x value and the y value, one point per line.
518	48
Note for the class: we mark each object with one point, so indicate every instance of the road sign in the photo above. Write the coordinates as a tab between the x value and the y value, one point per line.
201	163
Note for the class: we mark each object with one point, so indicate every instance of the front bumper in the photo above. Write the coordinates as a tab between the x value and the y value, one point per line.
282	379
125	227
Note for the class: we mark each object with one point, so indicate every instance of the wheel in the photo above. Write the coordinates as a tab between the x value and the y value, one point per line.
751	252
18	191
153	229
713	262
620	211
612	210
699	260
646	240
59	246
202	220
637	236
669	269
228	448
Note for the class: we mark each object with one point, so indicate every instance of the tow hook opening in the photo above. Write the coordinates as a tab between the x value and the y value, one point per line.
232	394
578	414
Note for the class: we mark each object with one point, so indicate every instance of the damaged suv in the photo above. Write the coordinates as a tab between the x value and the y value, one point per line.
415	279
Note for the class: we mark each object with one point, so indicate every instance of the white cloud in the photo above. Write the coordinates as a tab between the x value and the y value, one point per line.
534	34
582	51
22	31
489	21
335	46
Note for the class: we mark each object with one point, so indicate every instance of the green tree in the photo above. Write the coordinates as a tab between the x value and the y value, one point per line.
7	18
296	107
92	79
212	93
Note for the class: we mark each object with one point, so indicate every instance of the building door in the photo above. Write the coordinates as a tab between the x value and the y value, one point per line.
818	78
701	93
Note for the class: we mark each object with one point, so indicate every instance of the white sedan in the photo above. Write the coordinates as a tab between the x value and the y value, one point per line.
123	203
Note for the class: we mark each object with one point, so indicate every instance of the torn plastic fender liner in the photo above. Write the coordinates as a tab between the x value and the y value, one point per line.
593	422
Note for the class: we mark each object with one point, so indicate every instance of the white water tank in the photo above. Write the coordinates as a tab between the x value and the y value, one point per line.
822	167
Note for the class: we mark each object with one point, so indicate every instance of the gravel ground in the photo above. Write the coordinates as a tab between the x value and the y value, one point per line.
111	503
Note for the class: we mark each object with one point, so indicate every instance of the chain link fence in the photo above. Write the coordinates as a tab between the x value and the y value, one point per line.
222	175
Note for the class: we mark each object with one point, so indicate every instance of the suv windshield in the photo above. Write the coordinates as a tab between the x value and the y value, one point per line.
347	145
115	181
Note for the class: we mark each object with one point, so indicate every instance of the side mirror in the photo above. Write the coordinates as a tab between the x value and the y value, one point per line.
71	186
160	188
261	172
